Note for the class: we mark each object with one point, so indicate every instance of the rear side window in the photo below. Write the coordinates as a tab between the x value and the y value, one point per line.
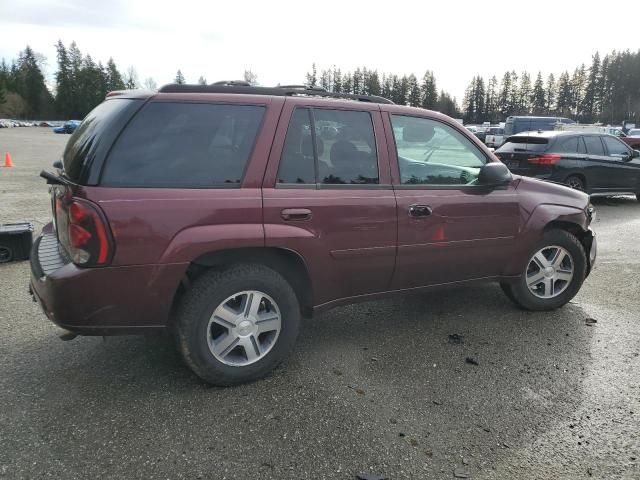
524	144
594	146
95	135
615	147
566	145
184	145
330	147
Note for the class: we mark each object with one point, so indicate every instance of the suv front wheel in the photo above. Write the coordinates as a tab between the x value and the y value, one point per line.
553	275
236	325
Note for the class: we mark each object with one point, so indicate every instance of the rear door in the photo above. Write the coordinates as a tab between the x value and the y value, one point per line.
449	228
327	196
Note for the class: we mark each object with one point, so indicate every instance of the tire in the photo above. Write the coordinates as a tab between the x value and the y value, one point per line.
537	297
6	254
575	182
198	330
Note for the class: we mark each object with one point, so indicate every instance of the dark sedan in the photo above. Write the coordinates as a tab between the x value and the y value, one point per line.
596	163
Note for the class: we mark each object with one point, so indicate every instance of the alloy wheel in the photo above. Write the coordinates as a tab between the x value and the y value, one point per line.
244	328
549	272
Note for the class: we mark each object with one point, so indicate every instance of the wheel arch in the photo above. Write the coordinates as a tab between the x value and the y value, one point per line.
288	263
581	176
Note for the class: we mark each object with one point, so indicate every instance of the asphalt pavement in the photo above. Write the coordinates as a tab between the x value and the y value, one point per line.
380	388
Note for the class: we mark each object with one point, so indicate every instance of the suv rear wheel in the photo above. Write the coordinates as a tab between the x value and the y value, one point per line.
236	325
553	275
575	182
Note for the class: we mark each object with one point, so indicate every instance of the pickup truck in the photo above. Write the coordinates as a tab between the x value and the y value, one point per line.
495	137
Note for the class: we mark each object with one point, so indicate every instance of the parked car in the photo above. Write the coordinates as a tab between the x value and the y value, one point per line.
596	163
517	124
633	142
219	214
68	127
494	137
634	133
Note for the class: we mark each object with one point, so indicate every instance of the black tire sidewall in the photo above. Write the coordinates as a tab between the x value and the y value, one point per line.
194	322
570	177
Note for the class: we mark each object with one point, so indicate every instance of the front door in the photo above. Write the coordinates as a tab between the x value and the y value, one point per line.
449	228
327	196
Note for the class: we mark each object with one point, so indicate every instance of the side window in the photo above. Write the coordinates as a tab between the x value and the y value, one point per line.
433	153
184	145
566	145
581	146
615	148
594	145
346	147
297	163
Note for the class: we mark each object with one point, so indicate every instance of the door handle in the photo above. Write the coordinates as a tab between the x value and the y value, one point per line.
295	214
420	210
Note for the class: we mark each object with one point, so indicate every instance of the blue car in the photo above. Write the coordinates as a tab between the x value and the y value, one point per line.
68	127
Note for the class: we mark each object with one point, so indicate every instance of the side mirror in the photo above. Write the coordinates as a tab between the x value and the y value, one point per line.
494	174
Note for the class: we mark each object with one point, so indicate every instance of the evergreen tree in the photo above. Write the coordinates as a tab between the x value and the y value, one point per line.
413	93
357	82
514	94
447	105
538	99
387	87
524	96
347	83
504	96
325	80
564	102
429	91
491	101
31	86
312	78
202	80
578	82
114	77
591	100
337	80
373	86
179	78
64	82
550	94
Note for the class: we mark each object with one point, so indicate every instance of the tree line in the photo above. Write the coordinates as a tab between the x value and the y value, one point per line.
402	90
608	91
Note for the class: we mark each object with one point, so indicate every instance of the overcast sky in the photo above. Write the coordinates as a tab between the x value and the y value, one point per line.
280	40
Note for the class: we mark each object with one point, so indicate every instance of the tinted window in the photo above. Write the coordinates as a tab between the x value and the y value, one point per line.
297	162
524	144
346	147
615	148
89	137
433	153
566	145
187	145
594	145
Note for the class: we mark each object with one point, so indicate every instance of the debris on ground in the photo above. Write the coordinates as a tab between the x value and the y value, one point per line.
471	360
590	321
337	372
370	476
456	339
461	473
437	402
413	442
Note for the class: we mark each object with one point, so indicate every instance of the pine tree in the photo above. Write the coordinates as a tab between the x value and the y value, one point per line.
179	78
31	85
357	82
514	94
325	80
387	87
491	100
524	95
413	91
551	93
114	77
538	99
202	80
347	83
504	96
337	80
591	100
578	82
564	102
64	82
373	83
447	105
429	91
312	78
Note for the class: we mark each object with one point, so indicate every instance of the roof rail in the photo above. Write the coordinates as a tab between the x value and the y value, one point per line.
240	87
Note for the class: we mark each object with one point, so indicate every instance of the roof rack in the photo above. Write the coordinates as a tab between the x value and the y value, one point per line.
239	86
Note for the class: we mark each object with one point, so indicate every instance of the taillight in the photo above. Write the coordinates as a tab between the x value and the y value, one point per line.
548	159
88	239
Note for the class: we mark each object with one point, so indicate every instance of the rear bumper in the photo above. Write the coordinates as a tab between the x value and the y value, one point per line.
101	301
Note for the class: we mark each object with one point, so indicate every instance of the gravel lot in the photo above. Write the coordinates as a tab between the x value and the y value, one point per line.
375	388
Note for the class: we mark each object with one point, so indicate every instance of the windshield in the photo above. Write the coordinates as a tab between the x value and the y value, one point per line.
83	144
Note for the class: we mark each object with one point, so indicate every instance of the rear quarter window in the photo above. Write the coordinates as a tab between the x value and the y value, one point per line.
184	145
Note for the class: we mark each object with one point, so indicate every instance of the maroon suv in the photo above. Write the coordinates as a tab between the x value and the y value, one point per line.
224	213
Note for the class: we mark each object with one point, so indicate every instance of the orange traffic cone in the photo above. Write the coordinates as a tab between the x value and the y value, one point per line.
7	160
